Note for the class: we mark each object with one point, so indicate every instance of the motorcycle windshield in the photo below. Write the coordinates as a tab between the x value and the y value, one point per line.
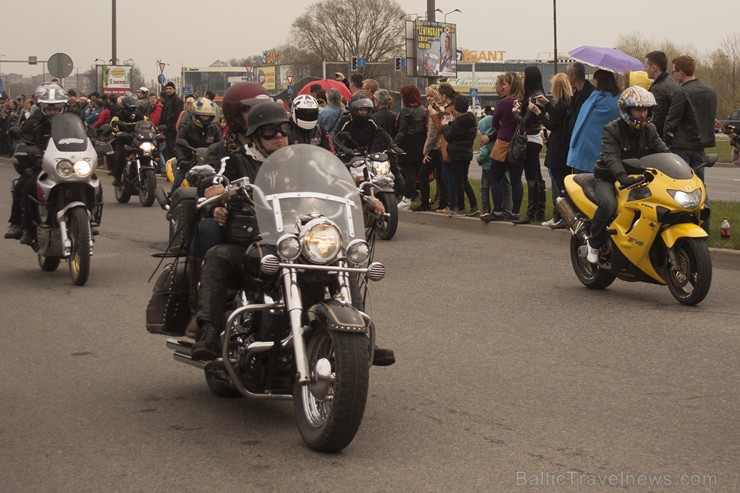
68	133
303	181
144	130
667	163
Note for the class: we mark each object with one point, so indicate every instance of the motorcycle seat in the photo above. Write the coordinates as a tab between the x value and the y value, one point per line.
586	181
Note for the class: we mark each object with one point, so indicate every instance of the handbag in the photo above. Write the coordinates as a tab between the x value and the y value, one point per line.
500	151
518	148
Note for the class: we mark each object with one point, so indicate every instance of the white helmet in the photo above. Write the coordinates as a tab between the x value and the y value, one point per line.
305	111
52	95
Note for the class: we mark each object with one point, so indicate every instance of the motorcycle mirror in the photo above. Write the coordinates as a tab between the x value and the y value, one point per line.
162	128
710	160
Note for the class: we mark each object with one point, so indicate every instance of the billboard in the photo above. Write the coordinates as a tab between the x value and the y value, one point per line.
435	48
116	79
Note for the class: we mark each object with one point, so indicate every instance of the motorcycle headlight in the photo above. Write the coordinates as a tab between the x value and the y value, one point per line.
65	168
358	251
321	241
381	167
83	168
147	148
358	174
289	247
687	200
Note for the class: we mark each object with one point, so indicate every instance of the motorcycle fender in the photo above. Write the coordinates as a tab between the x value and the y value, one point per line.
683	230
339	317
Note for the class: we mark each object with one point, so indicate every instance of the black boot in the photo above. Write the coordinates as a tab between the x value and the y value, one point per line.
193	272
207	348
383	357
539	209
531	201
14	232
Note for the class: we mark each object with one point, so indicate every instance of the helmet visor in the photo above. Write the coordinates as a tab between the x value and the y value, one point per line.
270	131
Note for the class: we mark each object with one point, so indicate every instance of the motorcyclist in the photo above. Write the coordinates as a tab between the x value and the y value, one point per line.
360	131
124	122
225	264
52	100
200	130
305	129
632	135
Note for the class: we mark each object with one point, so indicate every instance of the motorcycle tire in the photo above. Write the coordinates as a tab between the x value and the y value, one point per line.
589	274
386	226
122	195
80	234
330	423
146	187
689	282
49	264
220	385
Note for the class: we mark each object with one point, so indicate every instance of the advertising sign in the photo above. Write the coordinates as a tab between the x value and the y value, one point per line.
266	77
435	47
116	79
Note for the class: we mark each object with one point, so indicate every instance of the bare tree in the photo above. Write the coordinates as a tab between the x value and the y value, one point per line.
336	30
638	46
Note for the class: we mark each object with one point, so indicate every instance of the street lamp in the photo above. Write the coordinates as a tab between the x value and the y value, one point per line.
452	12
430	14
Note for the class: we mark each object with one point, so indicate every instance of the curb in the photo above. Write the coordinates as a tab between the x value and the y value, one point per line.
722	258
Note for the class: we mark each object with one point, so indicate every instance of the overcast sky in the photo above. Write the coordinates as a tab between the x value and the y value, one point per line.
197	33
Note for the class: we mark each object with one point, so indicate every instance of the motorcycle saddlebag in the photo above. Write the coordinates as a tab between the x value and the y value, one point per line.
168	312
182	217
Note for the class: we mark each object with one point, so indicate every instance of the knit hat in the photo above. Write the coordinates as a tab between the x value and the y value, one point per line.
461	104
170	84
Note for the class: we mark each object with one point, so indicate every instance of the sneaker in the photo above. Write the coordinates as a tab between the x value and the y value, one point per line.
405	203
444	210
484	213
495	216
457	212
549	223
116	183
559	225
14	232
593	254
474	211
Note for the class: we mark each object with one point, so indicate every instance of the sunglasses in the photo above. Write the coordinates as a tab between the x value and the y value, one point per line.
270	131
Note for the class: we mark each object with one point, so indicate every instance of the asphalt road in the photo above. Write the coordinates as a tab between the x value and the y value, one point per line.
510	377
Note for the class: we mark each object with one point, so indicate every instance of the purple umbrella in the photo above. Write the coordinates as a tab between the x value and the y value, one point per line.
606	58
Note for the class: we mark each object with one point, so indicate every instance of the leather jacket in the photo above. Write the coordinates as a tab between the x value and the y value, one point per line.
690	120
619	141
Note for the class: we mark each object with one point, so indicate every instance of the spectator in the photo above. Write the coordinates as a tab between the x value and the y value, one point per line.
599	109
460	135
330	116
410	137
443	112
663	86
155	105
485	127
557	146
211	96
355	83
485	139
142	96
105	113
370	87
689	124
386	119
432	156
172	106
187	109
93	116
582	90
339	76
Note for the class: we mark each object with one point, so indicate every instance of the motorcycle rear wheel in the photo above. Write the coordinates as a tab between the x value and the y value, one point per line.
146	187
386	226
122	196
589	274
330	424
220	385
80	235
690	282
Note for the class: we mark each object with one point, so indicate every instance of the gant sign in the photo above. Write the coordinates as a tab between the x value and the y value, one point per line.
475	56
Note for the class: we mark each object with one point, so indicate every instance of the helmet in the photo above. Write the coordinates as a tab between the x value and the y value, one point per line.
305	111
203	106
51	95
129	102
635	97
237	101
265	114
359	101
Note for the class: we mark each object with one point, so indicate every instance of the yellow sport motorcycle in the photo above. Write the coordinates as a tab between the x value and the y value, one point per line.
656	235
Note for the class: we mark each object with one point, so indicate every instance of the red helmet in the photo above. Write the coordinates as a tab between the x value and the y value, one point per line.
238	99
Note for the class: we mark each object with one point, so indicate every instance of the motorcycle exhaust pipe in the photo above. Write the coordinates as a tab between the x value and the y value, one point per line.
570	215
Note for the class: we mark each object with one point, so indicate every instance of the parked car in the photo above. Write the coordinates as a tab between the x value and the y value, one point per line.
733	119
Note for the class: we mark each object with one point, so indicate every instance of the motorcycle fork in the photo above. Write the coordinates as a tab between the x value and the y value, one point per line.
294	305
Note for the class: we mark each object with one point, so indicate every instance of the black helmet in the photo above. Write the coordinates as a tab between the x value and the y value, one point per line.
359	101
265	114
129	102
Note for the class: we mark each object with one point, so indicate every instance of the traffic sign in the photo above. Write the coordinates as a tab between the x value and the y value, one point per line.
60	65
362	62
186	90
250	69
290	89
290	80
473	92
161	79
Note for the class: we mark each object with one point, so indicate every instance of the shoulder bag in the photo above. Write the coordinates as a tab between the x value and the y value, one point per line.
518	148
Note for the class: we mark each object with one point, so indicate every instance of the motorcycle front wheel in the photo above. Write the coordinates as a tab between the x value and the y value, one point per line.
49	264
146	187
589	274
329	422
689	279
122	195
80	235
386	226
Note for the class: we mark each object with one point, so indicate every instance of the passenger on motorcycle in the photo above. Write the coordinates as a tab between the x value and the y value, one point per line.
52	100
304	115
199	130
124	121
225	264
630	136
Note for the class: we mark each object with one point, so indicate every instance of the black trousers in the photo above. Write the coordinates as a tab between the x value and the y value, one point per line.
606	200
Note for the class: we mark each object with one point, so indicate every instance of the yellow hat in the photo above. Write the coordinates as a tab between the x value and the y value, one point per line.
639	78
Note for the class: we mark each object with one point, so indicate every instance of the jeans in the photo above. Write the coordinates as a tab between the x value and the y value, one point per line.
449	178
208	234
463	186
496	176
606	200
485	190
695	158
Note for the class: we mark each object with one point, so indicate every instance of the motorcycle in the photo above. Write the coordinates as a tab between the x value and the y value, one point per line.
139	173
69	200
373	176
294	331
656	235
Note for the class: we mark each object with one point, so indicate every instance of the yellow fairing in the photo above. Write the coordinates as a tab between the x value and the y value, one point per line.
683	230
171	173
579	198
